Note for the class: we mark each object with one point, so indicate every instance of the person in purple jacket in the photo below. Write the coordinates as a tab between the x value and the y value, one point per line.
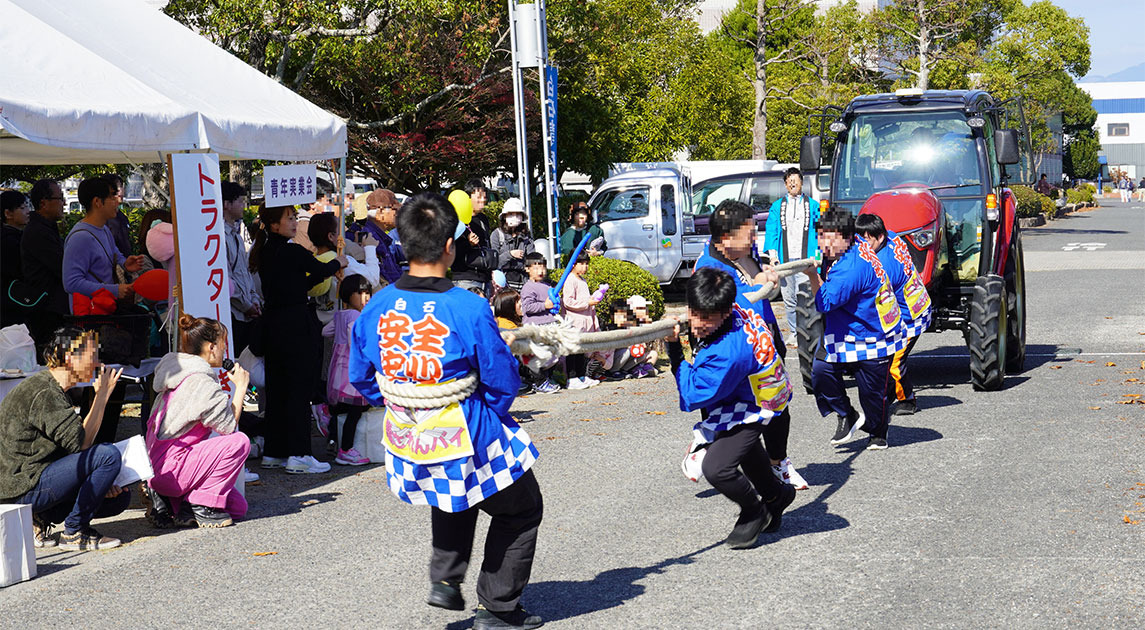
90	252
538	309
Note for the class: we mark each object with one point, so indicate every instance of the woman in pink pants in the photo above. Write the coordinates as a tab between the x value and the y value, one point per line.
194	471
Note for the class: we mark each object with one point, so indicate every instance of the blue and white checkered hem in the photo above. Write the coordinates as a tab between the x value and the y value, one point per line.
918	326
851	350
460	484
728	417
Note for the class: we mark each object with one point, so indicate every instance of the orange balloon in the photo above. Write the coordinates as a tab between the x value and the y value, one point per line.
152	285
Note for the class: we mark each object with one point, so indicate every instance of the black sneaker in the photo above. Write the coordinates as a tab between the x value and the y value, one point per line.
845	432
517	619
595	370
904	408
877	444
748	526
445	595
184	517
211	517
778	505
158	511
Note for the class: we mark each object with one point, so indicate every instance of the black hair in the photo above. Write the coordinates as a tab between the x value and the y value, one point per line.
620	305
64	342
94	187
115	178
505	305
474	185
41	190
711	290
583	258
267	216
231	191
351	285
533	258
1043	175
426	222
838	220
10	200
792	171
321	226
728	217
870	225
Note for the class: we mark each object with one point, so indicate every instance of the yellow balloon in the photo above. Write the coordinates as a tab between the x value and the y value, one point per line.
461	203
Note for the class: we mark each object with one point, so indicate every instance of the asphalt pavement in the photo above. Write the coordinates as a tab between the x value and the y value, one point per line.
1018	508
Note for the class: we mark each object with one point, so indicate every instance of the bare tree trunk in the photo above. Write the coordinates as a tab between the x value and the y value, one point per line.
923	47
155	191
239	172
759	124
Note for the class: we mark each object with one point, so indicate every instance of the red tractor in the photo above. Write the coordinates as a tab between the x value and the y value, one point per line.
934	166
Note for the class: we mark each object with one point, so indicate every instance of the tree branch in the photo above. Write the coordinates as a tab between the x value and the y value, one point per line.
427	101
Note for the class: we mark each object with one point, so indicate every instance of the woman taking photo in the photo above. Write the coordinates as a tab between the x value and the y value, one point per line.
292	338
47	456
189	467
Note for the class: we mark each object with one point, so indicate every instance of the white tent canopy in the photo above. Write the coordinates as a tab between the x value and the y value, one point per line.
116	81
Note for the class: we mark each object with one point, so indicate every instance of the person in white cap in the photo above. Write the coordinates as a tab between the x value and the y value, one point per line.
512	241
639	305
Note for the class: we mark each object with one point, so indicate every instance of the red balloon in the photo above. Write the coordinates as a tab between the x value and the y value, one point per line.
152	285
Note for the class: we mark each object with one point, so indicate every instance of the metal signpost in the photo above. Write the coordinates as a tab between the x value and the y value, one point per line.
529	42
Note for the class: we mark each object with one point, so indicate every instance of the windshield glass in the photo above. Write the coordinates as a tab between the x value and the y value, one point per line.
621	203
934	149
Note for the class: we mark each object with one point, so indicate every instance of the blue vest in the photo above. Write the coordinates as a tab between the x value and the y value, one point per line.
861	318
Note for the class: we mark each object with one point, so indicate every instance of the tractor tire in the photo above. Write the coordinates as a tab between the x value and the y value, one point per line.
987	333
1016	308
809	334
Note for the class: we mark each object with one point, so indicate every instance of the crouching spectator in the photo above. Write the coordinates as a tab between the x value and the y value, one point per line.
194	471
48	458
637	360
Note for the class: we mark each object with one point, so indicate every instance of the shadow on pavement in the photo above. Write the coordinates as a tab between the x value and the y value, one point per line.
935	402
561	599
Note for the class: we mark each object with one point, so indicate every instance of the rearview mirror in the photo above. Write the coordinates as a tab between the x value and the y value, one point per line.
810	151
1006	146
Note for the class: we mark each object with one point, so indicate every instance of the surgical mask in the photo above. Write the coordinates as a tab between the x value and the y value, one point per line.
512	221
372	213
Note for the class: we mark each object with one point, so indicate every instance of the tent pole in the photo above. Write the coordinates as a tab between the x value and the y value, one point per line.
176	306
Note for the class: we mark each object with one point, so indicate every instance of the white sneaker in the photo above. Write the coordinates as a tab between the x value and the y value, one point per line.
578	383
589	382
250	477
305	465
273	462
786	473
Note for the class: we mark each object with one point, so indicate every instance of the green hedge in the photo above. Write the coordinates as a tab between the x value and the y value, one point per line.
624	280
1083	194
1031	203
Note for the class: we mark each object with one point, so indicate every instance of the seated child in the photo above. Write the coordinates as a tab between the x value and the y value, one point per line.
342	396
737	378
637	360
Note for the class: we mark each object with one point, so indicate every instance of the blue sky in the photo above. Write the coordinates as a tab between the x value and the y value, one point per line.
1116	32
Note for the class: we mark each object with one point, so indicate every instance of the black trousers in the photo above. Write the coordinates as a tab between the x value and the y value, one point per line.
292	347
576	365
870	375
775	436
509	545
349	427
736	450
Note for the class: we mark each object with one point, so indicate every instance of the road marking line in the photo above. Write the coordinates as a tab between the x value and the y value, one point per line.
1039	354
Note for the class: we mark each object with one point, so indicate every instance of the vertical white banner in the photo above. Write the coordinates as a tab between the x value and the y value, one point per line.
201	246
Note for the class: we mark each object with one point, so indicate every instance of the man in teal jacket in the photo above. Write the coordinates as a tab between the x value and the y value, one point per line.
791	236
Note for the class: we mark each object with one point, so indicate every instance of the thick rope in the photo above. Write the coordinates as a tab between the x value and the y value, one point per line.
415	396
787	269
545	344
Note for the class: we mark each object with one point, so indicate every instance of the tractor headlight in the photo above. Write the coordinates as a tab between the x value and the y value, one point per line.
923	238
977	122
837	126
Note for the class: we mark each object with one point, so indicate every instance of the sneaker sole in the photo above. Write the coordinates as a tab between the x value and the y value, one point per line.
859	424
215	524
304	471
272	466
344	462
78	547
877	447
